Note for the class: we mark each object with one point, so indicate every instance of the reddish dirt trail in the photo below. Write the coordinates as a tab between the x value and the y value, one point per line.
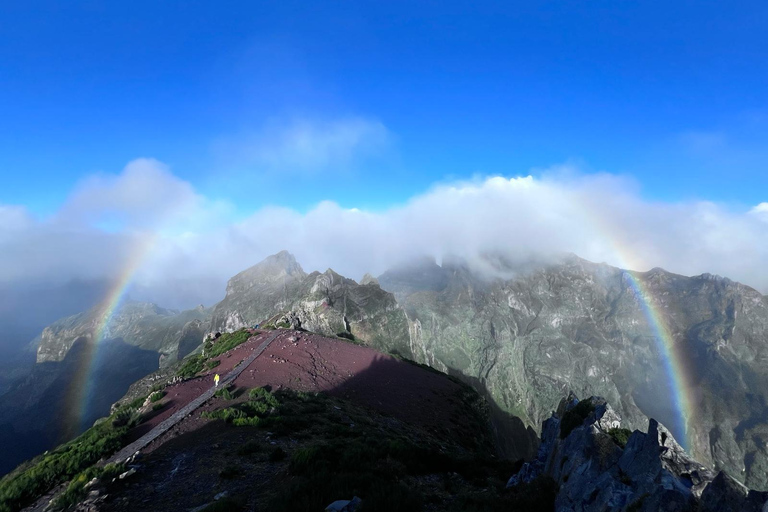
308	362
179	395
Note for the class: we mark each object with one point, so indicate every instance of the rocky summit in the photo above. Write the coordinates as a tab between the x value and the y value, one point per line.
326	303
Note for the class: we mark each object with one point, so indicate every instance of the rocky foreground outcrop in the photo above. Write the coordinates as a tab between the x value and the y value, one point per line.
599	466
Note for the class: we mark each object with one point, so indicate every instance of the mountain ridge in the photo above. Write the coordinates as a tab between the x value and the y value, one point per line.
526	340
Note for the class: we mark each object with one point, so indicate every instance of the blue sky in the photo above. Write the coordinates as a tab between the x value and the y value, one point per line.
673	94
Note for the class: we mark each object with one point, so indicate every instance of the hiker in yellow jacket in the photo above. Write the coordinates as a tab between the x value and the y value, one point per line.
216	380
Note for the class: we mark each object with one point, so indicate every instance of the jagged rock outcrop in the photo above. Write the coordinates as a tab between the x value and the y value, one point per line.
530	335
326	303
581	449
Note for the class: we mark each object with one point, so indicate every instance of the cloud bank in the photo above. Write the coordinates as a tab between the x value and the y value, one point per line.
190	245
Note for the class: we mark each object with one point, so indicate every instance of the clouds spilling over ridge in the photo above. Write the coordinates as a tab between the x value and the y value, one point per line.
187	245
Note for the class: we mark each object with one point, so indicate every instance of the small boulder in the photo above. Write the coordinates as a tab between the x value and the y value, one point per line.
128	473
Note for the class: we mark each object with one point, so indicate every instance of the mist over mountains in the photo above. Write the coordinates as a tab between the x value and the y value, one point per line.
183	246
522	341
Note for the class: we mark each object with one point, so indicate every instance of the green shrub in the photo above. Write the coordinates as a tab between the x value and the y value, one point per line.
346	335
191	367
248	422
261	394
228	341
249	414
575	417
213	363
137	402
620	436
224	393
156	396
59	465
76	491
228	414
302	459
158	406
126	417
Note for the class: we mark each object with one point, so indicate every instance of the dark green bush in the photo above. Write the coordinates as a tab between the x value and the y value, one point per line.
224	393
228	414
191	367
126	417
156	396
263	394
620	436
228	341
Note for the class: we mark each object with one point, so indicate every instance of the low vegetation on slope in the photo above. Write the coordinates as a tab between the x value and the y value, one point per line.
34	478
290	451
211	349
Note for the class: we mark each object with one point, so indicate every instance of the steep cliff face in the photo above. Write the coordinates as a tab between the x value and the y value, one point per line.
171	334
599	466
581	327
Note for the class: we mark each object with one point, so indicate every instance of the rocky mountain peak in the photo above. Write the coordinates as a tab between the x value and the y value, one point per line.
274	268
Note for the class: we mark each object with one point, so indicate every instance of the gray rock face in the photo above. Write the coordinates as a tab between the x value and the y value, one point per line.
258	293
326	303
577	326
652	472
171	334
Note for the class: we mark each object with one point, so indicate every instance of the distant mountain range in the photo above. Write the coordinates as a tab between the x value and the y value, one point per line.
523	341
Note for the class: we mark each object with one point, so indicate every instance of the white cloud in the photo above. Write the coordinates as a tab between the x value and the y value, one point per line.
144	194
304	145
599	217
760	211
